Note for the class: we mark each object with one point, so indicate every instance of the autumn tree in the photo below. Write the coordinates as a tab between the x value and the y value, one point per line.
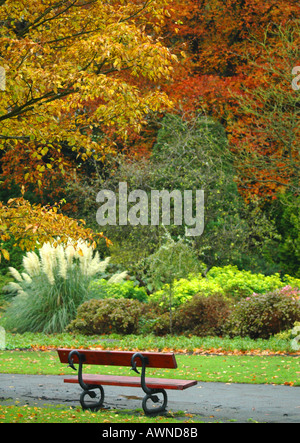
72	70
265	134
228	50
33	225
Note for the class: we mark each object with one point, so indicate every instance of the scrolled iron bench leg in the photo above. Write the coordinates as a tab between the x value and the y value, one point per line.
155	399
90	392
150	393
87	389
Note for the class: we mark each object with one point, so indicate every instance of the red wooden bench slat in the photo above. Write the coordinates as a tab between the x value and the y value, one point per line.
116	380
120	358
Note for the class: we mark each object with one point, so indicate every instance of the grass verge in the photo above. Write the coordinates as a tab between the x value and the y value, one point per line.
178	344
281	370
55	414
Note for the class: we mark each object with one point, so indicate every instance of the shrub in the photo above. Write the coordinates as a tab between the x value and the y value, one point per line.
203	316
263	315
54	285
290	291
184	289
107	316
238	284
102	288
162	324
289	334
227	280
200	316
150	320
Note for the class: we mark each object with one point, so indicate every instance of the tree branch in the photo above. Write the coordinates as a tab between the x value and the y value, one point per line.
46	98
36	22
137	12
6	137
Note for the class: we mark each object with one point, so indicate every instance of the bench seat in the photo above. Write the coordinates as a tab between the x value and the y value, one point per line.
135	382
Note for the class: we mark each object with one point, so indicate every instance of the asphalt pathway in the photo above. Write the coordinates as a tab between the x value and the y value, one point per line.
239	403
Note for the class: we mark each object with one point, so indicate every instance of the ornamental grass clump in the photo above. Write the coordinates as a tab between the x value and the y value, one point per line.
54	284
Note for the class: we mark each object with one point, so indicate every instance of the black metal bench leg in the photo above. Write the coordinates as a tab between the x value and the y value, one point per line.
95	406
150	393
155	399
87	389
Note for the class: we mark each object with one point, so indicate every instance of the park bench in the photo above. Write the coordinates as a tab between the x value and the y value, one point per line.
151	386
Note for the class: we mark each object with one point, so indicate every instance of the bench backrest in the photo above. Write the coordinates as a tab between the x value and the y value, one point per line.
120	358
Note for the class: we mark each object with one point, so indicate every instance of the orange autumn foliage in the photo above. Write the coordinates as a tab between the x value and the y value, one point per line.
128	73
231	48
73	73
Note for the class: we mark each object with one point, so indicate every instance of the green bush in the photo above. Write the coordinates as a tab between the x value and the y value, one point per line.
203	316
237	284
15	255
151	318
289	334
264	315
107	316
161	326
102	288
184	289
227	280
286	214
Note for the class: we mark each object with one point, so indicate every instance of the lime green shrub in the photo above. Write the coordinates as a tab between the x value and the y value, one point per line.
102	289
185	289
289	334
227	280
237	284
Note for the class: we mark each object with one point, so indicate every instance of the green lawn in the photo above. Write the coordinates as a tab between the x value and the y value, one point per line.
24	355
55	414
217	367
149	342
212	368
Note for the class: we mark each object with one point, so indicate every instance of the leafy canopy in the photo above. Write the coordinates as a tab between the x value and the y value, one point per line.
73	68
33	225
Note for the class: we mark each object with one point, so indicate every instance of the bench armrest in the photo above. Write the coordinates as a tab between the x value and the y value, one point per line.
87	388
150	393
81	360
144	361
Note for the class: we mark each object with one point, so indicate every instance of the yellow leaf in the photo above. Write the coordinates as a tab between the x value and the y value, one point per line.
5	254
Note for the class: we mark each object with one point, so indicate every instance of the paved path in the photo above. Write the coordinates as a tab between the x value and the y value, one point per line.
212	401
